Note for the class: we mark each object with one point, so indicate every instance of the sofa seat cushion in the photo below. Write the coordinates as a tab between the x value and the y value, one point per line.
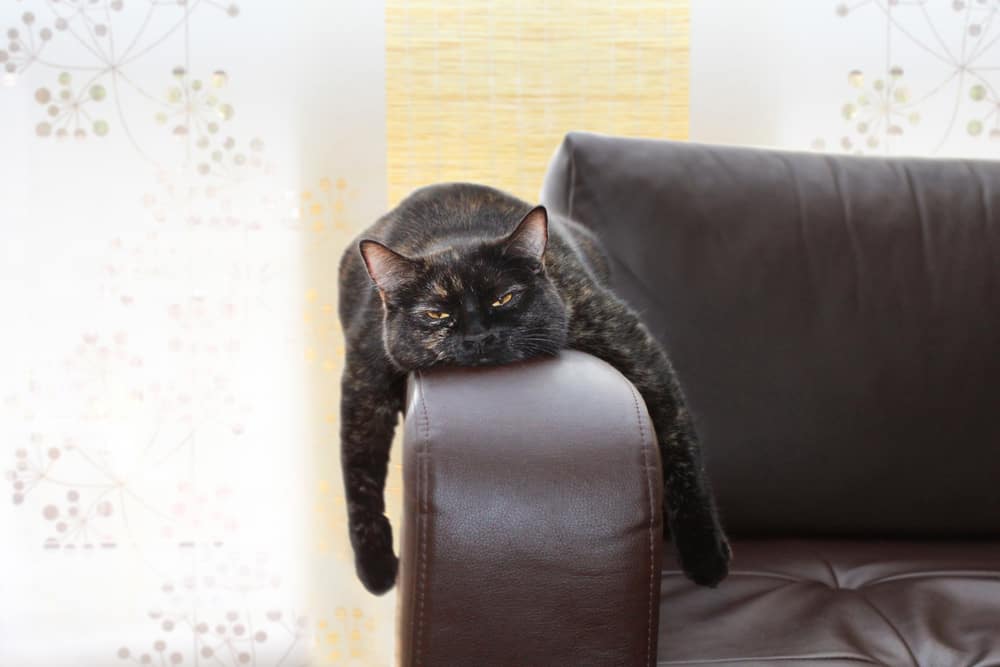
814	602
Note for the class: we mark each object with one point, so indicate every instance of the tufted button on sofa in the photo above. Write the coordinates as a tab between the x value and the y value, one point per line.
835	324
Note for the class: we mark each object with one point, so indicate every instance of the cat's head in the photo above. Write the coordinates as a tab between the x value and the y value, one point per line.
474	304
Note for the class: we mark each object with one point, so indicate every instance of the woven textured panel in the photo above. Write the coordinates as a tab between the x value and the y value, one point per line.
484	91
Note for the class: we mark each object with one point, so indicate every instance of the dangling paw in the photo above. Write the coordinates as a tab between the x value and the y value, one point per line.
377	571
376	565
705	557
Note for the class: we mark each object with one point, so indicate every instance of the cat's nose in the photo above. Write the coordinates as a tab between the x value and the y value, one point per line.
479	341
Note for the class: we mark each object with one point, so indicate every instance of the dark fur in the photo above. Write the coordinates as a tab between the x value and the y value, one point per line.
463	252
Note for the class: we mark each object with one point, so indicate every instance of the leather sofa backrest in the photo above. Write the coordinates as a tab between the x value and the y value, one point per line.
834	321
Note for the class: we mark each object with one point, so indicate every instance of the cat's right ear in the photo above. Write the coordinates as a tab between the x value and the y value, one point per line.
530	236
387	268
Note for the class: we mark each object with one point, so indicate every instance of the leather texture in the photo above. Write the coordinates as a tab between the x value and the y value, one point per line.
822	603
834	321
532	528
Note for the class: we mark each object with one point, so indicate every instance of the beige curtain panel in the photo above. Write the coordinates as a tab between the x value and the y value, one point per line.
484	91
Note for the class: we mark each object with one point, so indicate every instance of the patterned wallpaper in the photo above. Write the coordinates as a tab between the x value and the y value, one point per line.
940	71
171	221
872	77
180	177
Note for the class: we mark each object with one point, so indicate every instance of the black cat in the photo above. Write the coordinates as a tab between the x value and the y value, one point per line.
463	274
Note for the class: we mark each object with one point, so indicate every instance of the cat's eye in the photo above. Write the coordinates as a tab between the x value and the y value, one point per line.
437	314
503	301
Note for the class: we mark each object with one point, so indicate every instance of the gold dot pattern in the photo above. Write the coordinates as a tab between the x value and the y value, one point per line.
351	627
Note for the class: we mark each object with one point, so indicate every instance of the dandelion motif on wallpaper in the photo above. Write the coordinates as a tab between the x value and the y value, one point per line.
71	520
879	110
67	111
87	88
958	45
113	427
224	612
90	93
89	490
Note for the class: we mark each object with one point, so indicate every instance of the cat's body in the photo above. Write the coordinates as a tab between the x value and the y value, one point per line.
463	274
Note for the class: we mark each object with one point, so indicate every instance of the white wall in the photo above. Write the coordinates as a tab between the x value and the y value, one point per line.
775	73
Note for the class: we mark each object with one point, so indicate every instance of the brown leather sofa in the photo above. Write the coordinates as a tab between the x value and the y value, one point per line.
835	322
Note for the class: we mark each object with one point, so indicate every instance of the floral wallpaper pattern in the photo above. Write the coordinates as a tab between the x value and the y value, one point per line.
952	42
153	499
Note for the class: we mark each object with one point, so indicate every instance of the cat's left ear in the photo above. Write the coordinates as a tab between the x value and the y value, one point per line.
387	268
528	240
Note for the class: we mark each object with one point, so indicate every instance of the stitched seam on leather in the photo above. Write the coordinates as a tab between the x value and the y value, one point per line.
422	473
652	512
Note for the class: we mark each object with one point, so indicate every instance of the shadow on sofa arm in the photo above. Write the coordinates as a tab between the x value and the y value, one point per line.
532	524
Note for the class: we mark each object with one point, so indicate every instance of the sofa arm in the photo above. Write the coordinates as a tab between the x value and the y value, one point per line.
532	523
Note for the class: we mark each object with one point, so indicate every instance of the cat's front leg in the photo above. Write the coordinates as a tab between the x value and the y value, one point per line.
605	327
691	514
371	399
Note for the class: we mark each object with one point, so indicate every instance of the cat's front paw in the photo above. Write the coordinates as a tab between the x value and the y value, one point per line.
374	560
377	572
705	557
